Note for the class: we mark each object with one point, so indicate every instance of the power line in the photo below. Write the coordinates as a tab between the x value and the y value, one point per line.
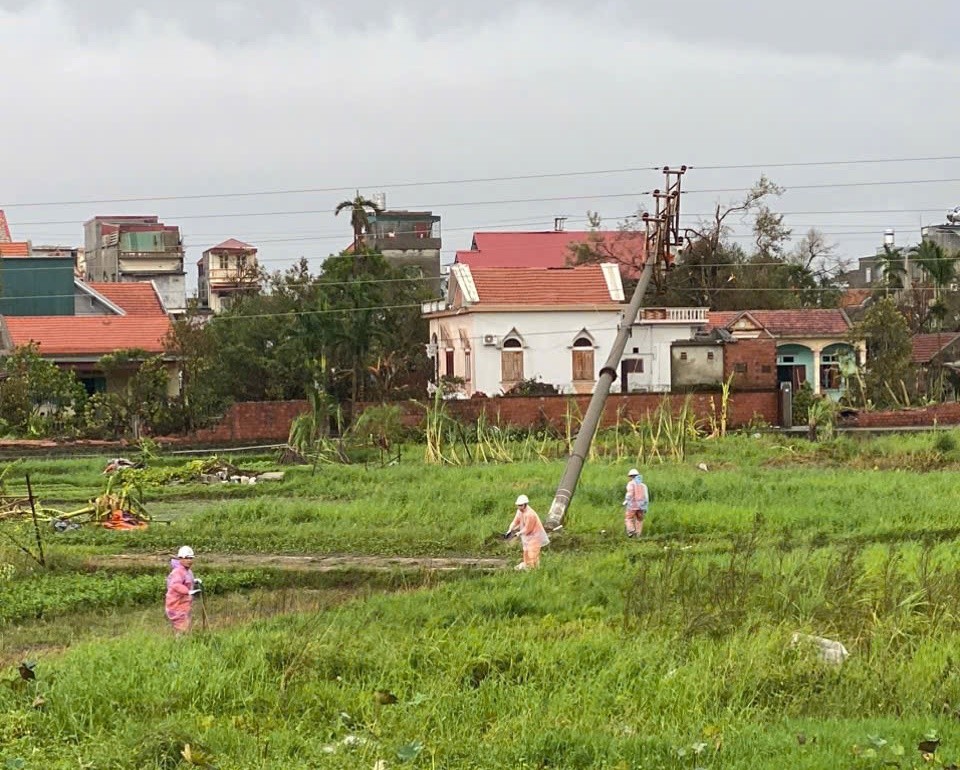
830	185
500	202
477	180
229	215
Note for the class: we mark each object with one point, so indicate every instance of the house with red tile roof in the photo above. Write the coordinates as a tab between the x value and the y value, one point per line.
937	360
555	249
226	271
810	343
498	326
109	317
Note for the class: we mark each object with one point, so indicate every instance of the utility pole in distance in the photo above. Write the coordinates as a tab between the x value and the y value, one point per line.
662	240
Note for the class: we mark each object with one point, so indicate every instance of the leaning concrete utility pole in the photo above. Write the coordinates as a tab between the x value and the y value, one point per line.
662	240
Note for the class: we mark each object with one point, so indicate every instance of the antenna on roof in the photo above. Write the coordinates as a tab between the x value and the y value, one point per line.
558	224
4	229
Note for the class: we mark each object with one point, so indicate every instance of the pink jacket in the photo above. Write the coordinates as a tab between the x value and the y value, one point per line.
637	496
179	586
530	526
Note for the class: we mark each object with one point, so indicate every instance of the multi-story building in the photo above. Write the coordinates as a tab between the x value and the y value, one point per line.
946	236
126	249
226	271
407	238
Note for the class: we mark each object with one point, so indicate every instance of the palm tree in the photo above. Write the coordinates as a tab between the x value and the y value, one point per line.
359	219
942	269
892	268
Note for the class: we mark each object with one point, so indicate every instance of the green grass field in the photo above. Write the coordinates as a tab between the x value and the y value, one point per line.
670	652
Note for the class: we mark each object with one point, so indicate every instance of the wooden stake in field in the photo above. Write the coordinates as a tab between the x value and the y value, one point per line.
36	526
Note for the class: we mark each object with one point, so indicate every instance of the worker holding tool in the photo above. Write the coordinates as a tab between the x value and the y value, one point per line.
635	504
533	536
182	587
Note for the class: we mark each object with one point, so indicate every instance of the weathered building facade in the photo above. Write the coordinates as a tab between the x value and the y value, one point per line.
125	249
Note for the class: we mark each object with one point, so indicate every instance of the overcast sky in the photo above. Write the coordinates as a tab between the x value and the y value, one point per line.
109	99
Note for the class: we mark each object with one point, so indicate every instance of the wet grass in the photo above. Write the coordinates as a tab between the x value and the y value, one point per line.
671	652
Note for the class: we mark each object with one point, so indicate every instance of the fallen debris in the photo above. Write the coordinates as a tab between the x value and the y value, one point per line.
119	507
120	462
828	650
213	470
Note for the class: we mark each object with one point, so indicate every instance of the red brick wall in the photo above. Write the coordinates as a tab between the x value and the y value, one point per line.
552	410
938	414
253	421
755	354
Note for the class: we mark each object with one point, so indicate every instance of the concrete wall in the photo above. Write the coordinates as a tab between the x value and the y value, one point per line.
172	289
694	365
651	344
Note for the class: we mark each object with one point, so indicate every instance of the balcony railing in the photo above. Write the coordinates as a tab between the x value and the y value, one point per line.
673	315
233	275
435	306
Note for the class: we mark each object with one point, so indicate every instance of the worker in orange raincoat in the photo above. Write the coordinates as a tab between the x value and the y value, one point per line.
182	586
533	536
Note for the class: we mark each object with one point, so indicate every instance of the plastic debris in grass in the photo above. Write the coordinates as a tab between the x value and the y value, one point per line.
119	507
212	470
828	650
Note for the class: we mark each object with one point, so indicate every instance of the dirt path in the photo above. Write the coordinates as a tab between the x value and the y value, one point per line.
307	563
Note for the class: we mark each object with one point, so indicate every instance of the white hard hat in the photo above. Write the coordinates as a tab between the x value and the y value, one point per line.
633	472
522	500
185	552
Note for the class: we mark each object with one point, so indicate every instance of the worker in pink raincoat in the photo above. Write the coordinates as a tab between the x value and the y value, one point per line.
635	504
533	536
182	586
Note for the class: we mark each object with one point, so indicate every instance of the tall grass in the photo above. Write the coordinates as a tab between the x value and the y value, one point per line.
670	652
530	671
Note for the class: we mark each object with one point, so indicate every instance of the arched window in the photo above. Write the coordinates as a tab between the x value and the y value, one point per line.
511	361
583	364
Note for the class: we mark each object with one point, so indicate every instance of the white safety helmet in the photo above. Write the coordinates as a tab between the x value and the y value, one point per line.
633	472
522	500
185	552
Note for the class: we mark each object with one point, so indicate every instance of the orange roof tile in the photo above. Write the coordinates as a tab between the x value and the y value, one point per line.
927	346
88	335
137	299
812	322
542	287
15	249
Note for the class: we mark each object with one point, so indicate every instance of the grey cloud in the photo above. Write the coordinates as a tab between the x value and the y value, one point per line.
849	28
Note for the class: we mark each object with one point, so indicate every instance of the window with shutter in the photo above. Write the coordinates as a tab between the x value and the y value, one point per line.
583	365
511	365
